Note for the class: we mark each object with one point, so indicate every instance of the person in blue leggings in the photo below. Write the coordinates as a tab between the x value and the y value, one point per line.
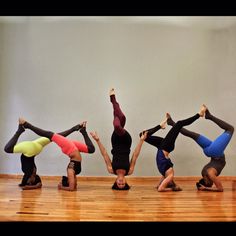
212	149
165	146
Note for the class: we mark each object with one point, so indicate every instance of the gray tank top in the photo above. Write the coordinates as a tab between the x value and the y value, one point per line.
216	163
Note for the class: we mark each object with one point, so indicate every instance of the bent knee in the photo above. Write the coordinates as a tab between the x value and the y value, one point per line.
91	149
8	149
231	129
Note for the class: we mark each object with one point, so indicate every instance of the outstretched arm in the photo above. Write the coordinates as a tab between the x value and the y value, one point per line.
103	152
137	152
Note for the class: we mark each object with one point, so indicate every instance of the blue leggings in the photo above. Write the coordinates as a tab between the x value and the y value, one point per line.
214	148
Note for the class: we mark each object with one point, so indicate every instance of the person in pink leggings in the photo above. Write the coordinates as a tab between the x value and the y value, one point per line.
72	148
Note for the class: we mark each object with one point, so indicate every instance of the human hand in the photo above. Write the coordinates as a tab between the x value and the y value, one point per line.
21	121
144	135
60	185
94	136
131	170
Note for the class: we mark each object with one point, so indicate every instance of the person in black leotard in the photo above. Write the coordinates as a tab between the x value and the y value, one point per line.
212	149
167	145
121	143
71	148
29	150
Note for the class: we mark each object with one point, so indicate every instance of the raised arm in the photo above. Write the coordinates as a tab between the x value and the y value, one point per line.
103	152
137	152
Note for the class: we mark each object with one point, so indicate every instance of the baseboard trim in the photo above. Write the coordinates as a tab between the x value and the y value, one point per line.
179	178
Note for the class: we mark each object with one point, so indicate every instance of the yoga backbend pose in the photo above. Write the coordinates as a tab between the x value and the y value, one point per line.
71	148
213	149
167	145
28	150
121	143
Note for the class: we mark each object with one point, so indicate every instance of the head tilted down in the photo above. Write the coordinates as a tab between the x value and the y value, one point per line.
120	184
205	181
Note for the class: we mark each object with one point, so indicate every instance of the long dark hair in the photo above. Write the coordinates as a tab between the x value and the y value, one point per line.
203	182
115	187
65	181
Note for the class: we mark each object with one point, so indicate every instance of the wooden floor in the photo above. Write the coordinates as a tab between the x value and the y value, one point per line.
96	201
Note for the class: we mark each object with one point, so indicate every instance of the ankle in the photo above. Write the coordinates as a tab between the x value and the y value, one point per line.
21	128
207	114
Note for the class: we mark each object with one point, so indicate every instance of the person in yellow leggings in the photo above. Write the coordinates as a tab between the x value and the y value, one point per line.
28	150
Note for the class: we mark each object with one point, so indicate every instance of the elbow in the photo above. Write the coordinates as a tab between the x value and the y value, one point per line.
160	189
71	189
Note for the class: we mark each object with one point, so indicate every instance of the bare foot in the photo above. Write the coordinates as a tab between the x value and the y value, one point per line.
202	110
84	123
21	121
163	123
169	119
168	115
80	125
83	126
112	92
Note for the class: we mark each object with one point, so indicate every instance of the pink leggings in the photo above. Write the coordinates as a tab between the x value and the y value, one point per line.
68	146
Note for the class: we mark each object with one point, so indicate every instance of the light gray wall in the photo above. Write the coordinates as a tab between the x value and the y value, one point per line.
56	73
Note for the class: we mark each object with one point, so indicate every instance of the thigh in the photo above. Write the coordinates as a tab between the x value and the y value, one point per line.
203	141
28	148
218	146
66	145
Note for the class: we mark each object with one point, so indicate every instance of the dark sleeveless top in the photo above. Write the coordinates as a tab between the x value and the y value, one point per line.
120	151
216	163
75	165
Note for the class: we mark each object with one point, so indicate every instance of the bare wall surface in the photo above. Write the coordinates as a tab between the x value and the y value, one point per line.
58	72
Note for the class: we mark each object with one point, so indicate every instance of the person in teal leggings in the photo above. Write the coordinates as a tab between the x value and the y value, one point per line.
213	150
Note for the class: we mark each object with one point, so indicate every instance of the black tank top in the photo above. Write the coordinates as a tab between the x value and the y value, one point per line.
120	151
120	162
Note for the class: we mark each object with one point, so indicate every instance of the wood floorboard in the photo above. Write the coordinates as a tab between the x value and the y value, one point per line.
95	201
